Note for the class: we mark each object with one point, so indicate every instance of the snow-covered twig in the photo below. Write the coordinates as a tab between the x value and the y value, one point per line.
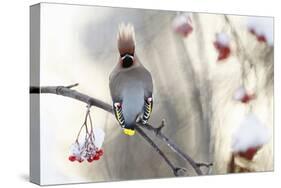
68	92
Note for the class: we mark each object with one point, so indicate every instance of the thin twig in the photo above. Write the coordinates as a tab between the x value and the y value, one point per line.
71	86
242	52
174	147
241	48
68	92
176	171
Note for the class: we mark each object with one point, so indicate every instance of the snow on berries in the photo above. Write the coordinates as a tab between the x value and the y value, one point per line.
261	28
99	137
88	143
222	44
250	136
240	94
182	25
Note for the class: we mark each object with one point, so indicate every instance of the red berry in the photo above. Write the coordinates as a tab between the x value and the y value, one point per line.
249	153
100	152
96	157
90	159
247	98
72	158
184	27
80	160
184	30
252	31
261	38
224	51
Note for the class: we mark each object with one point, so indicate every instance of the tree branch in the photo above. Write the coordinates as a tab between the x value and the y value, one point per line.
175	148
177	171
68	92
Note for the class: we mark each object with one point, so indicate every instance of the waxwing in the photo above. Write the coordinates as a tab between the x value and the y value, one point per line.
130	84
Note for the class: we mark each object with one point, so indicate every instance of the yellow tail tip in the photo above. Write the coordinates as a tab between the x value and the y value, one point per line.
129	132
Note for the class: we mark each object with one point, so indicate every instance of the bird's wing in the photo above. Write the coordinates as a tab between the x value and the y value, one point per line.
115	91
117	108
148	84
115	87
148	100
147	109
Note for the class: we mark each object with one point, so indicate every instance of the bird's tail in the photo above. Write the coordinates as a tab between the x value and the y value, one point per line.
126	39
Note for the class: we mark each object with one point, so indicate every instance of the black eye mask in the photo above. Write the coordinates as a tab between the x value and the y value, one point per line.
127	60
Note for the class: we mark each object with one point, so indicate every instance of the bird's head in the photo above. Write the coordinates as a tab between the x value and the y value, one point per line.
127	60
126	45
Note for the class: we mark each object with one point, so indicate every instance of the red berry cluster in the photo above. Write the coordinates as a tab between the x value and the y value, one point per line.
249	153
94	157
259	37
243	96
223	50
184	30
182	25
247	98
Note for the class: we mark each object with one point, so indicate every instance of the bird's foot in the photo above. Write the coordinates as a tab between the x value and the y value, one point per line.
144	121
140	119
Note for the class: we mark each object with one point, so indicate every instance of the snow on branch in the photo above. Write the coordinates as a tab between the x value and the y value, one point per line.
67	91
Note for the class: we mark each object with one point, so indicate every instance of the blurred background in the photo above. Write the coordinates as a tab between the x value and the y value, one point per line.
193	91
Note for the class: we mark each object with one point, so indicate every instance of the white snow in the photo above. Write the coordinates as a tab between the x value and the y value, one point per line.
74	149
262	26
181	19
82	149
250	133
99	137
239	93
223	39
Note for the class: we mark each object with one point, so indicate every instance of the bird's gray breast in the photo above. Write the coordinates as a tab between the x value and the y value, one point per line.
133	101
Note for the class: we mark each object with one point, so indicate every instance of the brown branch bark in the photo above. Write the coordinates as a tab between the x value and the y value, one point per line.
68	92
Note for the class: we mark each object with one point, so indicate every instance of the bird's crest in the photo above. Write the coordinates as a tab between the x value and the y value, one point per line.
126	39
